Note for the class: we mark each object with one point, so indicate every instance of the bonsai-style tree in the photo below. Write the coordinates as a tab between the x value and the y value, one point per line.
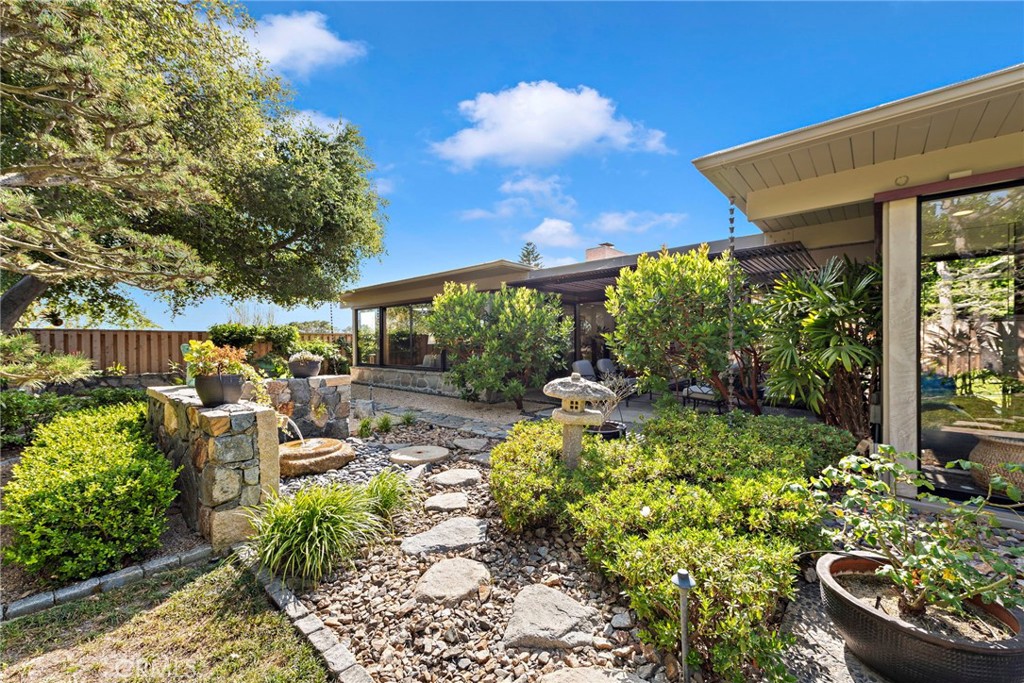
530	255
22	364
672	319
822	342
507	341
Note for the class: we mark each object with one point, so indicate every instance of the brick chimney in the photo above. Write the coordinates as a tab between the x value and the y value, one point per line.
603	251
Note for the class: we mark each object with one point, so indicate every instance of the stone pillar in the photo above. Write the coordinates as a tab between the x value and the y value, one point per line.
228	457
318	405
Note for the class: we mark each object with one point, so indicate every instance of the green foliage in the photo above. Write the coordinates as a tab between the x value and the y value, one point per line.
335	361
408	419
308	534
23	365
823	343
728	502
505	342
672	321
234	334
282	338
206	359
273	365
530	255
384	424
739	583
391	493
933	561
21	413
365	428
90	491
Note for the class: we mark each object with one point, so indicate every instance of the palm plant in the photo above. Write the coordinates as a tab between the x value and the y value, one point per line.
822	341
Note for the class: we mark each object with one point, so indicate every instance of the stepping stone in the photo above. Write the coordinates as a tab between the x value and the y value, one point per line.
483	459
314	456
449	582
471	444
419	455
447	502
456	533
456	477
590	674
544	617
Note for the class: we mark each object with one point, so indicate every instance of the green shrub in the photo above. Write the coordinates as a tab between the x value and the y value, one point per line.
823	446
408	419
21	413
334	363
384	424
774	507
391	492
234	334
91	490
306	535
273	365
605	519
365	428
282	338
739	582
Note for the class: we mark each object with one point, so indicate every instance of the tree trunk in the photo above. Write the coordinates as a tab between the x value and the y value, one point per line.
16	300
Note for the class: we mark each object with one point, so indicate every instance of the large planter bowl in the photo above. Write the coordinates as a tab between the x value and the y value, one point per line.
992	452
215	390
304	368
609	430
908	654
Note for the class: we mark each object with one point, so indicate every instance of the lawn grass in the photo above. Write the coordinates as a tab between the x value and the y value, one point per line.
187	625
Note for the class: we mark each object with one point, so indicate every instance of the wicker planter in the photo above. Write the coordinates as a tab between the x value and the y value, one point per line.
993	451
907	653
304	368
215	390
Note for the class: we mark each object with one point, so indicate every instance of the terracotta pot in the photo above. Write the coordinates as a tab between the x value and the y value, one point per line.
909	654
609	430
304	368
215	390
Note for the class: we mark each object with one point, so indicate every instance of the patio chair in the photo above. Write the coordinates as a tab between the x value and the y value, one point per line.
585	368
703	393
606	368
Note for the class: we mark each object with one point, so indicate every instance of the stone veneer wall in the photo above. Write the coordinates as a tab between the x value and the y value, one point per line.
141	382
424	381
228	456
318	405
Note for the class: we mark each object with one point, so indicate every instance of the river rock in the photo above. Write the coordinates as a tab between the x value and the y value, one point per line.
589	674
447	502
456	477
545	617
451	581
471	444
456	533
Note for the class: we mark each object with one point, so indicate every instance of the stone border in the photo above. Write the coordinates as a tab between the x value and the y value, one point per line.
104	584
339	660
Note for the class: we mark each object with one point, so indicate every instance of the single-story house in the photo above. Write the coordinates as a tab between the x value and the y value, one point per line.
932	185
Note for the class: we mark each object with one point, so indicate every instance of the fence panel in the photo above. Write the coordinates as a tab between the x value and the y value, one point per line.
139	351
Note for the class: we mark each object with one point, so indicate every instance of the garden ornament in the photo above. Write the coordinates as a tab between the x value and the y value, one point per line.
574	415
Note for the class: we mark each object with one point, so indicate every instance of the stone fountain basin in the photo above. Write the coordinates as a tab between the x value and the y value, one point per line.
314	456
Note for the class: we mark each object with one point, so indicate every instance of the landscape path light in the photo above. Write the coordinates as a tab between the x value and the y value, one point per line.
684	582
574	414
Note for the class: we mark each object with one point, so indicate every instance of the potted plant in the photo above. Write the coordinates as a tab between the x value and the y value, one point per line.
219	371
933	602
622	387
305	364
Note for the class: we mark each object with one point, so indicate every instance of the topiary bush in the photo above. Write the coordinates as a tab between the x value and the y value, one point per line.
234	334
90	491
21	413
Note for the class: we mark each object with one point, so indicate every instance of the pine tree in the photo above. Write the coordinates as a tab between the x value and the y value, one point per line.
530	255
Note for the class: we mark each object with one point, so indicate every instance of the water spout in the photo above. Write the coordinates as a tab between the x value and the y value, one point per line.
294	427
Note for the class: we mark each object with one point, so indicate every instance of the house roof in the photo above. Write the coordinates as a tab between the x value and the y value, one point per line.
491	273
972	111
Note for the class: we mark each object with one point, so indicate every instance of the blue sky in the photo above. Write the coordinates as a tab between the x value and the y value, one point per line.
576	123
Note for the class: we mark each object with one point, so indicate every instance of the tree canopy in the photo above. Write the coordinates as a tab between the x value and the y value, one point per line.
146	144
530	255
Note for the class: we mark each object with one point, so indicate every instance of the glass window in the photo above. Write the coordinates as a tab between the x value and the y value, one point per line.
594	321
367	332
407	342
972	330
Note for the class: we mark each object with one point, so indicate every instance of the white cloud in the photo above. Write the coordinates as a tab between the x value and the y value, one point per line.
300	42
541	123
635	221
318	119
545	192
552	262
385	185
553	232
506	208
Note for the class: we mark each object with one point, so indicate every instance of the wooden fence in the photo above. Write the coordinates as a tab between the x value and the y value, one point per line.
139	351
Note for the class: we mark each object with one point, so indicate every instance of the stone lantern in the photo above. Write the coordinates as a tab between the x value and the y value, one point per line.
574	415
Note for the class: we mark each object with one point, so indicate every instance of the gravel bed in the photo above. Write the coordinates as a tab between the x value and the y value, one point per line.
494	413
371	458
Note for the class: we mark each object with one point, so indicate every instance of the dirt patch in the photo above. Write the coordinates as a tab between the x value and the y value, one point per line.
877	592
